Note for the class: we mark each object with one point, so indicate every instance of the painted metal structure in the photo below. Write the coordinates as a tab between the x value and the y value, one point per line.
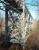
24	16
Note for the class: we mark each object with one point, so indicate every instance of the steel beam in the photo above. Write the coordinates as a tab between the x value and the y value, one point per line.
6	24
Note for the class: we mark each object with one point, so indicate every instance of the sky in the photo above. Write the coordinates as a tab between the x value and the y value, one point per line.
2	13
33	8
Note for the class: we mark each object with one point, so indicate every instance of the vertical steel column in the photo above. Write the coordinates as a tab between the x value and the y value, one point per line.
6	24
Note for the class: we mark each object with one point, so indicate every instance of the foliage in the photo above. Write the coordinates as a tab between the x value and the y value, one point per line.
33	39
